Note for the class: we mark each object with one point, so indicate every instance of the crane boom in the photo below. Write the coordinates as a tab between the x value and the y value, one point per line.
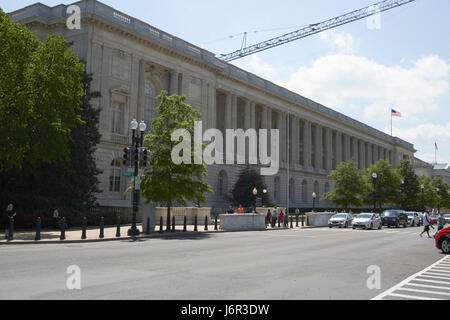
315	28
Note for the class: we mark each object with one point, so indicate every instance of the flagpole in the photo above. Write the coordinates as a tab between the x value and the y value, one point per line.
391	122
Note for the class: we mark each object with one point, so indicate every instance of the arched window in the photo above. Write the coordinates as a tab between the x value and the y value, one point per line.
327	187
115	175
222	185
277	189
149	101
305	191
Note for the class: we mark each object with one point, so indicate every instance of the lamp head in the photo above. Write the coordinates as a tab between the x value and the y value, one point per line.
314	195
374	175
133	124
142	126
255	191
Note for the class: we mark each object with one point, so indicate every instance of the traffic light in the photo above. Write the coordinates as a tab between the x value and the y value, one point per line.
126	156
144	158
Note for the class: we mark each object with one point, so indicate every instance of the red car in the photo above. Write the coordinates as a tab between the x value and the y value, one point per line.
442	240
433	218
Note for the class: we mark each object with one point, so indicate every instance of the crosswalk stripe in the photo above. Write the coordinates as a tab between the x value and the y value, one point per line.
434	277
427	286
431	281
425	291
412	297
437	273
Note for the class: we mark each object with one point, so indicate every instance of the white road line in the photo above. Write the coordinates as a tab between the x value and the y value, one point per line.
431	281
436	273
426	286
412	297
425	291
390	292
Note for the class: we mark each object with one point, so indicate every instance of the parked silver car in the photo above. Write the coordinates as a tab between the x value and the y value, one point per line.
341	220
367	221
447	218
413	219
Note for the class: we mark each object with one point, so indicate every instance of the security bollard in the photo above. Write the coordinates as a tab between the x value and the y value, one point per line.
195	224
215	223
148	226
173	223
118	227
206	223
307	220
303	221
185	224
168	224
296	220
11	229
38	229
160	224
83	228
62	225
102	226
291	224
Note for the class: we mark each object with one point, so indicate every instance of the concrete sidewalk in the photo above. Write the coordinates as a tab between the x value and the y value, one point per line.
93	233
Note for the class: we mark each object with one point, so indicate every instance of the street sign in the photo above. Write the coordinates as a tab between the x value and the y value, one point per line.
137	183
128	174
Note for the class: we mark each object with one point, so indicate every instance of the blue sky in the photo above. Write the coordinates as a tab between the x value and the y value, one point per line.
355	70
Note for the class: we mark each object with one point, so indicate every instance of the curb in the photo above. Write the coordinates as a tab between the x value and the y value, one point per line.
155	235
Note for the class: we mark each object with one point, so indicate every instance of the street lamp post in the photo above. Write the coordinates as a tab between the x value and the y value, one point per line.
374	181
264	194
402	190
423	204
314	196
136	142
255	193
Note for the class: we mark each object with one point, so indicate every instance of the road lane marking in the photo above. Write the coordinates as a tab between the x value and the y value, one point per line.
427	286
424	294
412	297
431	281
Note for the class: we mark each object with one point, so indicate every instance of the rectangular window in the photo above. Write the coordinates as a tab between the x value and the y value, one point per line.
114	183
117	116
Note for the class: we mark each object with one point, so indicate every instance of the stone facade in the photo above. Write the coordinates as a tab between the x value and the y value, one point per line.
132	62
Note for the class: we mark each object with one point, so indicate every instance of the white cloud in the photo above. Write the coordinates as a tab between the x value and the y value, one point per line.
427	131
343	42
255	65
337	80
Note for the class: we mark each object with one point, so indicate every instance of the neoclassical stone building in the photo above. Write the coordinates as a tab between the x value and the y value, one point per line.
132	62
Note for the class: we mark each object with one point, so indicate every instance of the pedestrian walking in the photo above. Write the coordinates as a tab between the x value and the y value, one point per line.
8	215
274	216
281	217
426	224
268	216
440	223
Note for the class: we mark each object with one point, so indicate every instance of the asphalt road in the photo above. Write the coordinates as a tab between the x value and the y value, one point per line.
284	264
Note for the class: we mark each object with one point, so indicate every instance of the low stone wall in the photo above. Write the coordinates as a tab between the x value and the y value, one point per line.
180	212
263	210
319	219
241	222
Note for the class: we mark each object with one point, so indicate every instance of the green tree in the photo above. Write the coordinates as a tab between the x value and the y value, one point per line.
164	181
40	92
63	183
443	193
348	186
248	179
410	187
430	197
387	187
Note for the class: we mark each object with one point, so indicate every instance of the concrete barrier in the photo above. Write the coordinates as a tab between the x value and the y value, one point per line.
319	219
242	222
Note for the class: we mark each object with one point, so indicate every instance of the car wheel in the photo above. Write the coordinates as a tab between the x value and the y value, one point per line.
330	227
405	225
380	226
353	228
445	246
345	225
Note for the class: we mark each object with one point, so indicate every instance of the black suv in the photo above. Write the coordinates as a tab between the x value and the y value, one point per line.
394	218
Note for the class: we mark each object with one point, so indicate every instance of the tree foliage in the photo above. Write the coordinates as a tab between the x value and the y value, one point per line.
248	179
66	183
40	93
410	188
429	195
348	186
164	181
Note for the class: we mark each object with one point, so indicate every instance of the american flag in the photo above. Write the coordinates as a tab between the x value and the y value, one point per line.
396	113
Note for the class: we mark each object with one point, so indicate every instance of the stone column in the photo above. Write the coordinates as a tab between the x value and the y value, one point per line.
141	89
247	115
234	112
212	106
347	148
204	107
296	141
338	148
268	127
375	153
173	89
228	112
307	144
319	148
362	154
330	151
253	115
